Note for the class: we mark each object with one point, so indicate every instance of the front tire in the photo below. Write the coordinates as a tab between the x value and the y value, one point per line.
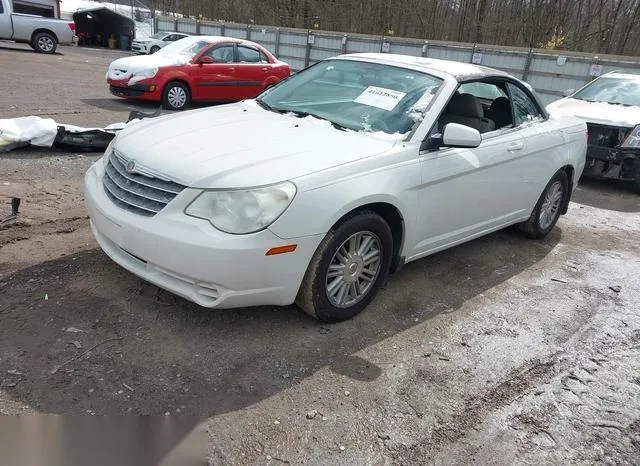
176	96
548	208
347	269
154	49
43	42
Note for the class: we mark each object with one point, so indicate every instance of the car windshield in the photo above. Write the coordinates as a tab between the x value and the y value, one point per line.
157	35
621	91
356	95
186	48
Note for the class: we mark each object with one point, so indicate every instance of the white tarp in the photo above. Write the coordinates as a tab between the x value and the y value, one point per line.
32	129
42	132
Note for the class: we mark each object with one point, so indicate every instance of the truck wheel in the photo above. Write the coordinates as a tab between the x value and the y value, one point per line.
43	42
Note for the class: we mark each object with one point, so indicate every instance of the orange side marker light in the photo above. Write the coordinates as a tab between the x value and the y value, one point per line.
282	249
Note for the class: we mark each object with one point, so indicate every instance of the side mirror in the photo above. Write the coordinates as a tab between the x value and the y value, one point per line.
568	92
205	60
456	135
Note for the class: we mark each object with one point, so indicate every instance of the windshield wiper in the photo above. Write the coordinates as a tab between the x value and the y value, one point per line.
265	105
301	114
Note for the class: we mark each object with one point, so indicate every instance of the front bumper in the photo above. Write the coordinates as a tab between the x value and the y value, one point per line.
612	163
139	48
190	258
120	88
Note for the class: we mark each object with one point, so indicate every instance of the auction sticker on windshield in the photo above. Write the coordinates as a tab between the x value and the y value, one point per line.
379	97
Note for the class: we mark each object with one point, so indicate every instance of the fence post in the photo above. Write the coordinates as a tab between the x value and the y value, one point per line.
527	64
197	27
223	28
593	73
473	52
175	25
307	54
248	32
425	49
276	50
345	38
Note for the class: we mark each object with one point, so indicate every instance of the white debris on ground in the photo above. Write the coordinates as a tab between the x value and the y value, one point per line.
42	132
35	130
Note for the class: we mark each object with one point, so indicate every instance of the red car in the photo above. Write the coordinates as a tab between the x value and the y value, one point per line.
197	68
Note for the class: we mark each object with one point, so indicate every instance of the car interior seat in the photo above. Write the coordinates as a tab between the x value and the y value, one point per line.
500	112
466	109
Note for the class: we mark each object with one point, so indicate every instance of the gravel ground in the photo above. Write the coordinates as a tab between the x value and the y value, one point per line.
500	351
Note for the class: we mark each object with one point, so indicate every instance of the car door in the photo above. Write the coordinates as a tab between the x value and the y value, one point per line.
217	81
6	29
253	70
467	192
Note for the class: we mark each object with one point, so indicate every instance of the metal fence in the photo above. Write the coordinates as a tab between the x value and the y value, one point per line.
548	72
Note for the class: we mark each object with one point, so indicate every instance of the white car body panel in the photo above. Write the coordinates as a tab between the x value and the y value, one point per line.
145	45
241	161
444	197
597	112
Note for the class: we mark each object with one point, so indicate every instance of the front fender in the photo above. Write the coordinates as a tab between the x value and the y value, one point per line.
314	211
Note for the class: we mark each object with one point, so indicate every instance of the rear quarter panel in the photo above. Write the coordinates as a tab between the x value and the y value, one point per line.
25	25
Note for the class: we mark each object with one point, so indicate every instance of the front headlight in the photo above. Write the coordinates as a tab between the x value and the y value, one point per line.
633	139
147	73
243	211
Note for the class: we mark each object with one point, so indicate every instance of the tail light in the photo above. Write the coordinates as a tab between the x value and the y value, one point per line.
633	139
72	26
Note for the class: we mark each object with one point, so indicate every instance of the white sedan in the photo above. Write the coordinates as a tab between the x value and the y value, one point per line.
316	190
155	42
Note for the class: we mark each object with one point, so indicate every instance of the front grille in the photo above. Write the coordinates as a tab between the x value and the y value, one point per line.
141	194
606	136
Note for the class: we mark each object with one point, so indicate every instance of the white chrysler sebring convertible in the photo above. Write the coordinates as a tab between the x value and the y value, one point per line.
323	185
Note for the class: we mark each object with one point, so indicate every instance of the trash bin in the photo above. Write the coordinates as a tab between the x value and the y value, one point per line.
113	43
125	43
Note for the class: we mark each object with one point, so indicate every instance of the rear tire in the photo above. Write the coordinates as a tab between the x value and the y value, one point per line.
43	42
548	208
347	269
176	96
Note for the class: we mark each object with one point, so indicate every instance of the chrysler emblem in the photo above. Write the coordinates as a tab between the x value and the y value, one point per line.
131	166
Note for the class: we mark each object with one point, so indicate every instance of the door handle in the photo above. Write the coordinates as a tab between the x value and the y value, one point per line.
231	68
265	69
514	146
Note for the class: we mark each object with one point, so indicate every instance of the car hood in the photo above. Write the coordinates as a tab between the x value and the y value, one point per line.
597	112
126	67
241	144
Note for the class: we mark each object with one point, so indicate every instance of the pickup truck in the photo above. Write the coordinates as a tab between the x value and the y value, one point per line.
43	34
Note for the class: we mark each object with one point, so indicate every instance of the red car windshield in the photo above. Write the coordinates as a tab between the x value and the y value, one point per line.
187	47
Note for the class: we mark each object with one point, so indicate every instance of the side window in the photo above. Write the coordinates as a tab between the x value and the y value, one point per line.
263	58
482	90
480	105
525	110
1	8
223	54
248	55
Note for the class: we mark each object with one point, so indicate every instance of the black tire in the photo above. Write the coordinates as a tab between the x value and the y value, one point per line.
44	42
537	226
313	296
154	49
169	99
